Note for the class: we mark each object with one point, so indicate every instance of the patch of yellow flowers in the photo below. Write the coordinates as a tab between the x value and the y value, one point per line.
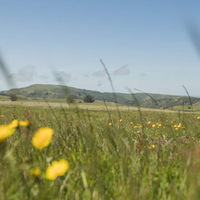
157	125
8	130
41	139
178	126
56	169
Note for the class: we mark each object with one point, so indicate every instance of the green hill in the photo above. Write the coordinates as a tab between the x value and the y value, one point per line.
39	91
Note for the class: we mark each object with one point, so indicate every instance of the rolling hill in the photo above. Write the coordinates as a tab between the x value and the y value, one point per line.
39	91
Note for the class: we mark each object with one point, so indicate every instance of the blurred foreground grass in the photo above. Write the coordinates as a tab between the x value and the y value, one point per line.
140	155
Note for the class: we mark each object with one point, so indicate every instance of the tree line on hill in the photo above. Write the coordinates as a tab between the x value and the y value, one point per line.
87	98
70	98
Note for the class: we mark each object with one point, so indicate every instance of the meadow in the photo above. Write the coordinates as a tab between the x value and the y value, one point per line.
106	153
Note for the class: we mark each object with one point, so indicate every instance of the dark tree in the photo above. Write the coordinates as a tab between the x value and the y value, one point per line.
70	99
13	97
88	98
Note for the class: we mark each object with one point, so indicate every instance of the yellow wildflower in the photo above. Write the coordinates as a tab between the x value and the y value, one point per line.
58	168
24	123
135	127
5	132
138	132
42	138
198	117
153	125
110	124
35	171
148	122
176	129
120	120
14	124
131	123
152	146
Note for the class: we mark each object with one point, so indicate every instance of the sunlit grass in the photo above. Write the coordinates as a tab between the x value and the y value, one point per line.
150	156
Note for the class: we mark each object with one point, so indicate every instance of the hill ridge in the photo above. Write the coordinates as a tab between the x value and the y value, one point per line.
51	91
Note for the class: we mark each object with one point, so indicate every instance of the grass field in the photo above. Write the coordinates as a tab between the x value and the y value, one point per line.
97	105
194	108
130	154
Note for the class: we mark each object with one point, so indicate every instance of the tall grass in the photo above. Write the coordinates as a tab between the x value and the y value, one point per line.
109	158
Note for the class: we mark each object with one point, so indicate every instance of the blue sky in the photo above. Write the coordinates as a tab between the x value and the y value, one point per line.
144	44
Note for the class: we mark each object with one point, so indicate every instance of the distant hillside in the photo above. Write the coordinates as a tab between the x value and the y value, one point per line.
39	91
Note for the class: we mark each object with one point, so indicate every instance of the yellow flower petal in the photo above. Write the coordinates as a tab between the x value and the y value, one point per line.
58	168
14	124
5	132
42	138
24	123
152	146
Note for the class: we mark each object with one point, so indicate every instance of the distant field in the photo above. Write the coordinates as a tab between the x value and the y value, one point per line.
194	108
4	98
97	105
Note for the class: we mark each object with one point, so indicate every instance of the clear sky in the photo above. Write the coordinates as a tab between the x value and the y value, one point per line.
144	44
